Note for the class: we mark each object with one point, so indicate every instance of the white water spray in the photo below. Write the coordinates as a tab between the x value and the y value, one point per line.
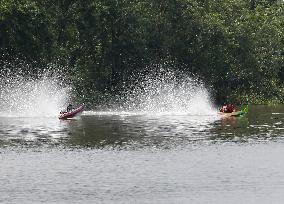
169	95
163	92
25	97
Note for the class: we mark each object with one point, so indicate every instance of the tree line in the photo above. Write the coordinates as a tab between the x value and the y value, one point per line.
235	46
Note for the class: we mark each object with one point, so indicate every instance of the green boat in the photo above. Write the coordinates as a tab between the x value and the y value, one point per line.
236	113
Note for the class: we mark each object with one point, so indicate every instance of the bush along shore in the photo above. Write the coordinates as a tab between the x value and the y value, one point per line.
235	47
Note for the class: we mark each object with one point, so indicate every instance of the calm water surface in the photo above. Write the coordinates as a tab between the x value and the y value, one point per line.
120	157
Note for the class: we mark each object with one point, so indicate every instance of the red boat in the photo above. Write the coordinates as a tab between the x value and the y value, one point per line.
71	114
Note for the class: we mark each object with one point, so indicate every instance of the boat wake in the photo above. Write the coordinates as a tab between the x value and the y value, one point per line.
27	97
160	93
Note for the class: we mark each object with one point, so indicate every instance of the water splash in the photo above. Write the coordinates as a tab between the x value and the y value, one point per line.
23	96
161	91
166	92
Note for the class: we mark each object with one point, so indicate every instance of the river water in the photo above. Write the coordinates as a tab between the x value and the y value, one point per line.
136	157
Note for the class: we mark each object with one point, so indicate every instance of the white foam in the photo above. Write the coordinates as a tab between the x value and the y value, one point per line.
166	93
22	97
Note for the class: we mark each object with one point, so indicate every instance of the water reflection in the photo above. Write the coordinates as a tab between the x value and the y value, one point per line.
134	131
140	131
32	131
262	123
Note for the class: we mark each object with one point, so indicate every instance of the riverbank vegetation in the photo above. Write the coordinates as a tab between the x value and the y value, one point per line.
235	46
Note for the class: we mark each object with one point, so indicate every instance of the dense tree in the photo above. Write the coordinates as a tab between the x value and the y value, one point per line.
235	46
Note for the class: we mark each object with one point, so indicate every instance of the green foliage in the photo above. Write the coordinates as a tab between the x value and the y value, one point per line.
25	29
235	46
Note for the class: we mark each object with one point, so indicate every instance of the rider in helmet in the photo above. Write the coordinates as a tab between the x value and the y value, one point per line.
69	107
229	108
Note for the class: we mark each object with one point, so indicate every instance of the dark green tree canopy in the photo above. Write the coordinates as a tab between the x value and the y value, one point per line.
234	46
